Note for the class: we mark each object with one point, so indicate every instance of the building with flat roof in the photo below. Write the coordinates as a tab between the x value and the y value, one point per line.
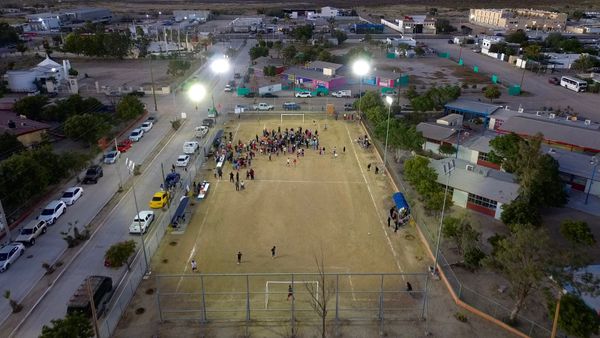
328	68
476	187
201	15
412	24
512	19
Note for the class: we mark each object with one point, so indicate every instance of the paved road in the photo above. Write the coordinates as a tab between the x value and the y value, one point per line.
544	94
115	228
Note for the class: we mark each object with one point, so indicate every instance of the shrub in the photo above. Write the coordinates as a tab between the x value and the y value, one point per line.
118	254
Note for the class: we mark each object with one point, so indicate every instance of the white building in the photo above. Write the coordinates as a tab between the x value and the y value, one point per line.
329	12
561	60
48	73
414	24
198	15
401	40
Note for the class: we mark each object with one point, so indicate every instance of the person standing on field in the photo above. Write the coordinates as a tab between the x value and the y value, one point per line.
273	251
290	292
239	257
194	266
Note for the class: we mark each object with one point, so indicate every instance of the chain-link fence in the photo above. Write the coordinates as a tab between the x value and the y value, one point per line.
464	293
132	278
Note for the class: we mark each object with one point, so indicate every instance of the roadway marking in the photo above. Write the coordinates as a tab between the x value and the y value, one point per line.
375	205
68	265
304	181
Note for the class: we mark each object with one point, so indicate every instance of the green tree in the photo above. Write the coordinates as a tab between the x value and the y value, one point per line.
116	44
371	99
577	232
9	144
571	45
577	15
505	149
31	106
553	41
129	108
419	51
444	26
74	325
278	46
119	253
518	36
86	127
302	33
447	149
460	231
520	211
424	179
21	48
575	316
533	52
523	258
339	35
491	92
258	51
289	53
8	34
178	67
15	306
584	63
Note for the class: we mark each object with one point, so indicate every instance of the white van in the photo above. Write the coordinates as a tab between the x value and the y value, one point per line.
190	147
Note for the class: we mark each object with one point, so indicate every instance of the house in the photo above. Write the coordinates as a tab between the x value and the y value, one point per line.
47	73
28	132
55	21
560	60
471	110
476	187
245	25
311	78
328	68
412	24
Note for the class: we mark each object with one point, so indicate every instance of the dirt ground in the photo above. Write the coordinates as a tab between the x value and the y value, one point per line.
127	73
323	204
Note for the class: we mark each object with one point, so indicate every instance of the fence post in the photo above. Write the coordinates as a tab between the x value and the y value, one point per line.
247	298
381	307
337	303
158	298
293	307
204	319
459	290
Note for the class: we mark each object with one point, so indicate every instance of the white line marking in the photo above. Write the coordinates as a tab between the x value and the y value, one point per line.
352	287
381	222
317	182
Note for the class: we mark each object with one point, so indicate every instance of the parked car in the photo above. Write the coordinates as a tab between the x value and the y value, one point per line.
359	95
9	254
152	119
208	122
31	231
159	200
172	179
141	222
263	106
146	126
71	195
52	211
136	135
93	174
237	76
124	145
250	95
137	93
228	88
182	160
303	94
554	80
112	156
450	41
190	147
348	106
201	131
102	291
291	106
271	95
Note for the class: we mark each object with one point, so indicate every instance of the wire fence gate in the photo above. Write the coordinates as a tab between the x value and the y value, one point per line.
294	297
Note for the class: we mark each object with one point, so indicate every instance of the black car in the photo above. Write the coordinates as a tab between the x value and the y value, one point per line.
291	106
93	174
208	122
237	76
250	95
348	107
269	95
137	94
359	95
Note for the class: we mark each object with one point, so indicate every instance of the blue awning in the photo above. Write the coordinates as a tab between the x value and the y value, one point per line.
180	209
217	139
400	201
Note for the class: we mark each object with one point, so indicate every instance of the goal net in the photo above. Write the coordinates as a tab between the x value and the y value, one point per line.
279	290
296	115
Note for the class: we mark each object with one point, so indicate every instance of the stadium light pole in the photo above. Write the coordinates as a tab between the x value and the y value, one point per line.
389	101
219	66
595	161
360	67
131	168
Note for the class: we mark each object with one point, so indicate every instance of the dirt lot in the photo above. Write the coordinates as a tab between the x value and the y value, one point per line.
134	73
323	203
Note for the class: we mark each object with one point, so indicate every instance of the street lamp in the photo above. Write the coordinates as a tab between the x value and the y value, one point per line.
595	161
219	66
389	101
196	93
131	168
361	68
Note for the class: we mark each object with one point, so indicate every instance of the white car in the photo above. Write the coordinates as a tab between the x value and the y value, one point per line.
146	126
31	231
52	212
228	88
182	160
190	147
112	157
136	135
71	195
141	222
9	254
303	94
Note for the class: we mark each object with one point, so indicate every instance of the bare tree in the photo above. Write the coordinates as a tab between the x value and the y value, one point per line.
320	296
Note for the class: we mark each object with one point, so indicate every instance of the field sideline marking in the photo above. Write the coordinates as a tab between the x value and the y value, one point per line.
193	251
375	205
303	181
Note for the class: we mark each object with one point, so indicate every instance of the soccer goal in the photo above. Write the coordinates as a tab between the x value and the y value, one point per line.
280	289
282	115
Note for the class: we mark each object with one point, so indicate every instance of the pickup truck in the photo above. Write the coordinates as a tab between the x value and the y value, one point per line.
342	93
93	174
263	106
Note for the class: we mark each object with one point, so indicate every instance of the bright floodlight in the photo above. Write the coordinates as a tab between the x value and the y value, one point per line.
389	100
220	65
196	92
360	67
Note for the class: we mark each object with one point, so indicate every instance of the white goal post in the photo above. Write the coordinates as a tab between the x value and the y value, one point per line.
294	283
291	114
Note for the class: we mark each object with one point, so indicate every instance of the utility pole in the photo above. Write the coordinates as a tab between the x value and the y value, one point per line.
93	307
3	224
118	173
